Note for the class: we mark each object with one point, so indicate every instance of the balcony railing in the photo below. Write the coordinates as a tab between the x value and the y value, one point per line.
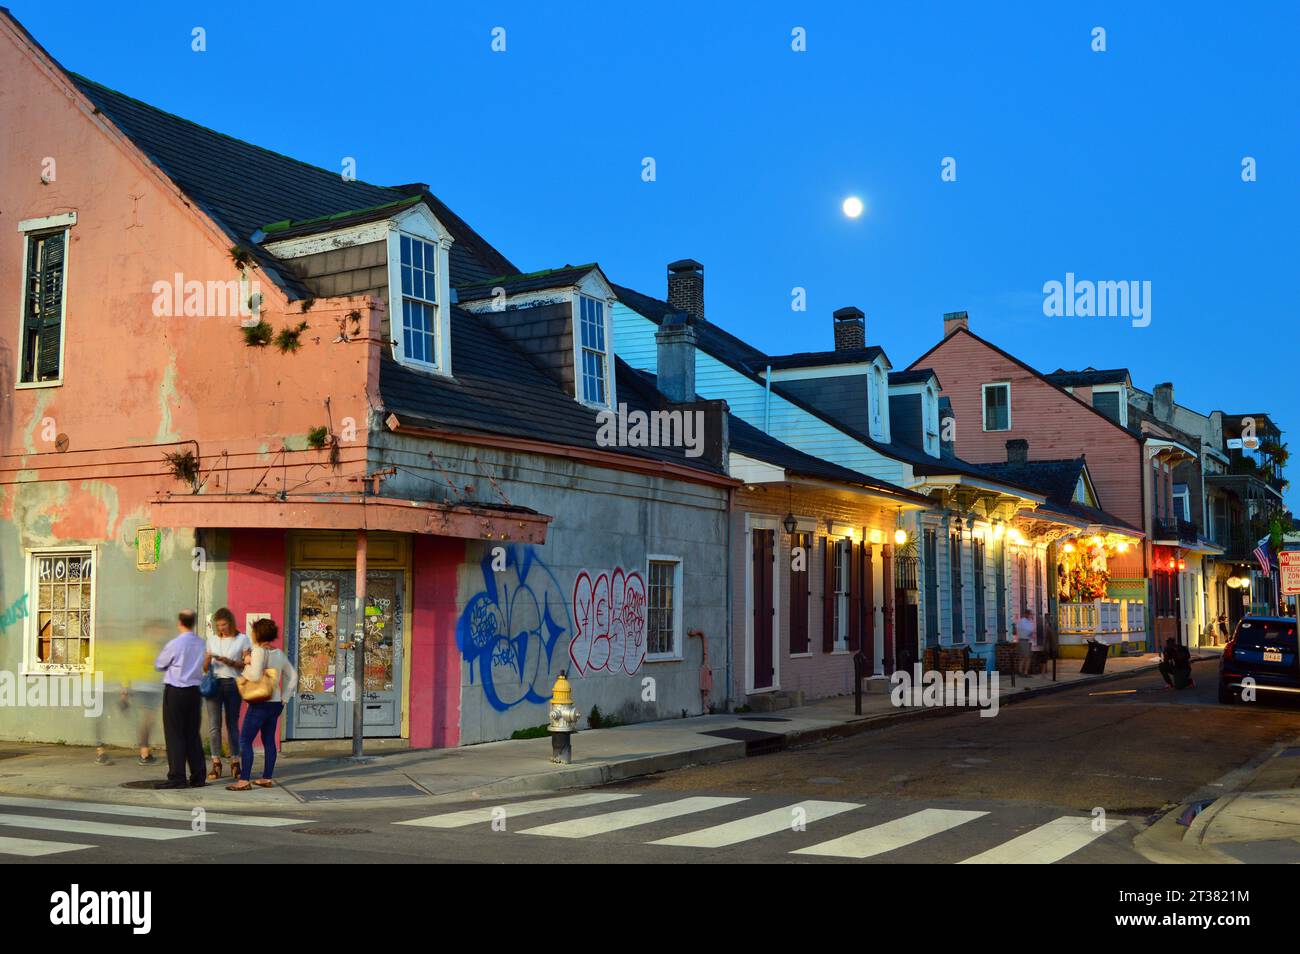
905	575
1183	531
1107	621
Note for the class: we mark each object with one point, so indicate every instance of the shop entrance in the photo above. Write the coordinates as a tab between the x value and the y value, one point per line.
322	621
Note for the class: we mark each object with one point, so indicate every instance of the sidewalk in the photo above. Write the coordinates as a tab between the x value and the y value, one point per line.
316	780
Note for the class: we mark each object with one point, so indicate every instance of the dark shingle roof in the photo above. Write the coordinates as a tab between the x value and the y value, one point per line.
723	345
818	359
496	389
531	281
750	441
1087	377
244	187
1057	479
912	376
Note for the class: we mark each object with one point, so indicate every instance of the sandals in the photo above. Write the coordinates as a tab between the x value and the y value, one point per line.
264	783
238	788
216	770
234	768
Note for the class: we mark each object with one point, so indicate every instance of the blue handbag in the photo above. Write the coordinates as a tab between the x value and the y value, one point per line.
208	685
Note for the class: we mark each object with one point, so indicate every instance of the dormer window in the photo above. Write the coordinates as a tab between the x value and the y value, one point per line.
594	356
419	264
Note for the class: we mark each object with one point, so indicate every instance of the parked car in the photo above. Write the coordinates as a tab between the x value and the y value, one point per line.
1263	649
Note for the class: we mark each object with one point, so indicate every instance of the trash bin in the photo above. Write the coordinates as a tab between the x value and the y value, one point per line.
1094	664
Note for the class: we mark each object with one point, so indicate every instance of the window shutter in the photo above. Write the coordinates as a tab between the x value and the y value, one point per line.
799	597
855	598
828	598
869	604
51	307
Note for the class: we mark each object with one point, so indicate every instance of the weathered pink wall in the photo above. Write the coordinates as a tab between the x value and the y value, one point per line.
435	659
255	583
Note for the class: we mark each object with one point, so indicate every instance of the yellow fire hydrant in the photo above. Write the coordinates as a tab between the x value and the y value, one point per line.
563	721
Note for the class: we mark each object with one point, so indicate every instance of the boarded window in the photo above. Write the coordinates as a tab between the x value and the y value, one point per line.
1107	402
64	619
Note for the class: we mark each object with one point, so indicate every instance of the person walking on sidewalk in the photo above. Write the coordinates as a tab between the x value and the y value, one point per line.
226	648
1025	637
263	716
181	662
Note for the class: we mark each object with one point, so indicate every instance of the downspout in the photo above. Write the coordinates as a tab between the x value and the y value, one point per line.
767	400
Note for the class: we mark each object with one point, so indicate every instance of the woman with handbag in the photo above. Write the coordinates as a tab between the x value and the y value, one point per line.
269	678
222	664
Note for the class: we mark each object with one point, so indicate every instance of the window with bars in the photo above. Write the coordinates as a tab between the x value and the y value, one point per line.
591	329
663	617
43	307
63	623
419	268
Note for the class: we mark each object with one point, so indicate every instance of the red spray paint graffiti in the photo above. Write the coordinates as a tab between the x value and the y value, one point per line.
608	622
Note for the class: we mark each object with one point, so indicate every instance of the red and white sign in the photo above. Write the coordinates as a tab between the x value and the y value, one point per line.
1288	571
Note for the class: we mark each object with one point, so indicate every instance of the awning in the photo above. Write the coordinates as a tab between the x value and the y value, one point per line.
466	520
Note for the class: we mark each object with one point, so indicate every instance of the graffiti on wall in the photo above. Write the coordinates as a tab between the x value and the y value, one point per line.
509	629
609	619
14	612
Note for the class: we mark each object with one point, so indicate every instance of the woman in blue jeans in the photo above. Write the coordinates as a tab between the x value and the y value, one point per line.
226	649
262	717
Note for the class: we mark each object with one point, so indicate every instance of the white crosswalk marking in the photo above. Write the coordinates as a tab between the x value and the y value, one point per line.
471	816
144	811
1045	844
629	818
31	848
756	826
893	834
81	827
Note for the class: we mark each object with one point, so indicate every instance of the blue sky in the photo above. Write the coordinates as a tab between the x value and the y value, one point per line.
1122	165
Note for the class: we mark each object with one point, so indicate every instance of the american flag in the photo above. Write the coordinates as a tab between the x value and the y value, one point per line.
1261	554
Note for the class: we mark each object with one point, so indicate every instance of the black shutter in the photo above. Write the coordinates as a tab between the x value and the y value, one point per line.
828	597
50	307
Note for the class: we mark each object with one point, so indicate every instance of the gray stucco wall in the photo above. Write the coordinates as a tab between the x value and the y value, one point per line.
605	520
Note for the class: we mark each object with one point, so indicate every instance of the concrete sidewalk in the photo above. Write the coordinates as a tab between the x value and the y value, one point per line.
321	779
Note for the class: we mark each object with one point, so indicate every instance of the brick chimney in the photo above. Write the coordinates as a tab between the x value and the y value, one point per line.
850	329
676	357
686	287
952	320
1017	451
1162	403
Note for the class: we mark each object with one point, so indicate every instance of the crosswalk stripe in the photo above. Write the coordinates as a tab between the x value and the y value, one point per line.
1044	844
756	826
143	811
892	834
31	848
629	818
82	827
472	815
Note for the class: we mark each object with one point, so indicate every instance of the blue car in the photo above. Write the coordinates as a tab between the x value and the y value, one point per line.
1263	650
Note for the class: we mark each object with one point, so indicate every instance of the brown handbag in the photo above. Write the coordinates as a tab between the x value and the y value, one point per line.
259	690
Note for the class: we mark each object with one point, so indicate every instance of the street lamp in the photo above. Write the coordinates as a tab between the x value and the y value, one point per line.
790	524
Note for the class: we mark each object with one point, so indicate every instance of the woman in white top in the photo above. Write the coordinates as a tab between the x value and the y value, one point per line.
262	717
226	648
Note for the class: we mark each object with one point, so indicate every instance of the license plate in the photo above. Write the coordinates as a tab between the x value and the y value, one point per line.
1273	655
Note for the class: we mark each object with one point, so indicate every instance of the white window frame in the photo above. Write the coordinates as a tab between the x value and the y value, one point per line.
419	223
579	383
678	636
1112	389
844	546
29	665
1182	503
984	407
48	224
930	413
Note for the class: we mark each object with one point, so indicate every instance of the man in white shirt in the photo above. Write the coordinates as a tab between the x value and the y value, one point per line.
1025	637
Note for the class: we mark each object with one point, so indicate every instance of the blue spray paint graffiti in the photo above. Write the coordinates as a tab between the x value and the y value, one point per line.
509	630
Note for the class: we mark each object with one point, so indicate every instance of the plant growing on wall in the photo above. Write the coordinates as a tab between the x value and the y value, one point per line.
317	437
241	256
183	466
258	335
287	340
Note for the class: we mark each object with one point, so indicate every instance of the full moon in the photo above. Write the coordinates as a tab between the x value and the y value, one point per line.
853	206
